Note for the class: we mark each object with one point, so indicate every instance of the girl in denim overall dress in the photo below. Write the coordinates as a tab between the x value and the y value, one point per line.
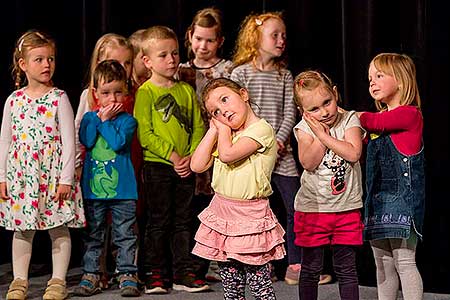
394	208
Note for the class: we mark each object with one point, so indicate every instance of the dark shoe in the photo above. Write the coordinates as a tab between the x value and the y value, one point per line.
128	285
155	284
190	284
89	285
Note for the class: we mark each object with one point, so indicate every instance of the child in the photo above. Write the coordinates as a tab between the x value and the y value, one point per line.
204	41
395	175
170	127
140	73
260	60
37	155
238	228
108	181
108	46
328	202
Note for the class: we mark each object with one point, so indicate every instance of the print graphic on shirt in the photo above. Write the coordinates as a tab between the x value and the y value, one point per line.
104	176
168	106
338	166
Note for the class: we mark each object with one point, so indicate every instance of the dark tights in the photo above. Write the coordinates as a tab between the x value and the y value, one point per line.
344	264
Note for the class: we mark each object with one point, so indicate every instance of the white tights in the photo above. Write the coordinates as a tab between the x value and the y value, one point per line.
396	258
22	246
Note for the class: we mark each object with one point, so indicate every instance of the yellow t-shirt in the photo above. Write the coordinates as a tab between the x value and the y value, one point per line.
248	178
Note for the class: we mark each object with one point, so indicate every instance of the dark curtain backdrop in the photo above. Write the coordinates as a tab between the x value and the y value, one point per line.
337	36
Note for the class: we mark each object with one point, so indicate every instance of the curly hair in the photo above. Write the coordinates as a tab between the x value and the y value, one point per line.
249	39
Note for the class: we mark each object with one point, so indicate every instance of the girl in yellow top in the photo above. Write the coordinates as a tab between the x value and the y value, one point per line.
238	229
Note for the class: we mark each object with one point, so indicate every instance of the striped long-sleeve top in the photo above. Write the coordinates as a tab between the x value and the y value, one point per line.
272	98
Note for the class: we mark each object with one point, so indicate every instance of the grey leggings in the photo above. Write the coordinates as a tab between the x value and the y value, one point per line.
396	258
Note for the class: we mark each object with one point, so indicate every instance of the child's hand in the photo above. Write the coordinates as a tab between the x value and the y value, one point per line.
220	126
281	147
63	192
183	167
3	191
316	126
110	111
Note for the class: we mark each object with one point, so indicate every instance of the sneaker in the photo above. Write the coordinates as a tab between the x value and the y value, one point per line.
128	285
88	286
325	278
292	275
155	284
213	272
190	284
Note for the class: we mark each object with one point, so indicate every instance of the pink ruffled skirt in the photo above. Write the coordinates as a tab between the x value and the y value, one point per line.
246	231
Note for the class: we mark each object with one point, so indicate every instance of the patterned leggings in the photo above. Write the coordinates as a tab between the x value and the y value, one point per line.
235	275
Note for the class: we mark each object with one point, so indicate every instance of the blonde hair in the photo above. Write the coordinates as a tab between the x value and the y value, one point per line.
136	40
402	68
209	18
29	40
102	48
308	81
249	40
156	33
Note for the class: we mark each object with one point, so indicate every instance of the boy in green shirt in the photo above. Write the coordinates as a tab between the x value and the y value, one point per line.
170	127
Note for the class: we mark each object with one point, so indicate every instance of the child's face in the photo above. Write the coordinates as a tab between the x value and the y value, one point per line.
273	38
228	106
205	43
39	64
124	56
383	87
138	65
162	58
321	105
111	92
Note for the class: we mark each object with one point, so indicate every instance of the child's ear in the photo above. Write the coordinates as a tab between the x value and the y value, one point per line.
94	91
335	91
147	62
244	94
22	64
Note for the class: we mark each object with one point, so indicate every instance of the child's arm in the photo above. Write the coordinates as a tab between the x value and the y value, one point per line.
67	129
118	135
202	158
5	141
88	129
83	107
229	152
310	150
289	113
402	118
349	149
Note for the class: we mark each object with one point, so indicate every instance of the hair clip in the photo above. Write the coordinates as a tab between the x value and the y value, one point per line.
20	45
300	82
258	22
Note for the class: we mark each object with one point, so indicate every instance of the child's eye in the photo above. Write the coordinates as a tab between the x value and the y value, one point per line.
38	59
51	59
216	112
224	99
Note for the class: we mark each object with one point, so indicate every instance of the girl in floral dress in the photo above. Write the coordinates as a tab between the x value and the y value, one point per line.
37	155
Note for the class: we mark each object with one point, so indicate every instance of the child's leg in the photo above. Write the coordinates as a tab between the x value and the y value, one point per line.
344	262
61	248
312	264
21	253
123	236
233	280
95	232
259	282
405	262
387	277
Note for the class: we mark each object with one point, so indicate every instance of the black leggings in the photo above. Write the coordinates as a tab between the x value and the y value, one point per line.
344	264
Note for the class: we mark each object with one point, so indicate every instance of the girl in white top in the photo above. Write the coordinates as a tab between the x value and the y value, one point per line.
37	154
330	196
238	228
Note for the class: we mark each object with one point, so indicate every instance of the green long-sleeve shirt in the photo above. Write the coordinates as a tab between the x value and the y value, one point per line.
169	119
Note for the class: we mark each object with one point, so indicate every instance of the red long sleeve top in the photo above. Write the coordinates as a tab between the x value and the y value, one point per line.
404	124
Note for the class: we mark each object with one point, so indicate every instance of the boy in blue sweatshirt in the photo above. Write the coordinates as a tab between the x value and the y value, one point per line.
108	182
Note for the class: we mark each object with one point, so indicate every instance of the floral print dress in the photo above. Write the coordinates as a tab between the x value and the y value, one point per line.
34	166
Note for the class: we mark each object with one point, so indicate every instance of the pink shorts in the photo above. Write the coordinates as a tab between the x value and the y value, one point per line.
318	229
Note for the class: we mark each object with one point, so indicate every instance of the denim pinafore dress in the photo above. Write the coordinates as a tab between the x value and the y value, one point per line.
395	187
